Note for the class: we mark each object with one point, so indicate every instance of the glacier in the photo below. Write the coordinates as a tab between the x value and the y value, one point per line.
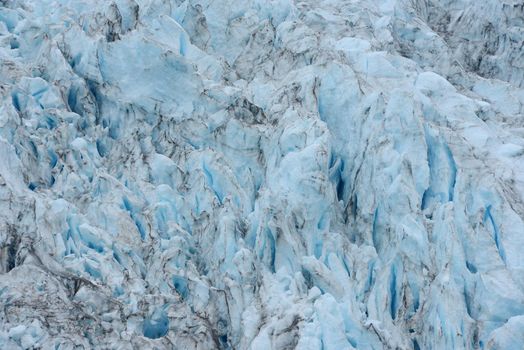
261	174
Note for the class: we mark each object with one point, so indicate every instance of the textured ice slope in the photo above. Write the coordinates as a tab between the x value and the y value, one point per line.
261	174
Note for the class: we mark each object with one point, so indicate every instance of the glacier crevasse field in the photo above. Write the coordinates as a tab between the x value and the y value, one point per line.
261	174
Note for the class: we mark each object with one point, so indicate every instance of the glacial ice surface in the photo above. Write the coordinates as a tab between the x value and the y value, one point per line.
261	174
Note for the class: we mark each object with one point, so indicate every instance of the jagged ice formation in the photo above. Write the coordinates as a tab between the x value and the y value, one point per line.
261	174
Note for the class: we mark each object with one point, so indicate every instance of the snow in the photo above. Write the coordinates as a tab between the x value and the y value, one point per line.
261	174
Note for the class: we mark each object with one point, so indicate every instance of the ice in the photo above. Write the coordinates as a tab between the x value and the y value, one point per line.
262	174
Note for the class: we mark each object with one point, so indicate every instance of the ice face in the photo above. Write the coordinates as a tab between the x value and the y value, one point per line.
262	174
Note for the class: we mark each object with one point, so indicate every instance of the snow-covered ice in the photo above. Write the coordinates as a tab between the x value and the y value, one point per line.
261	174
